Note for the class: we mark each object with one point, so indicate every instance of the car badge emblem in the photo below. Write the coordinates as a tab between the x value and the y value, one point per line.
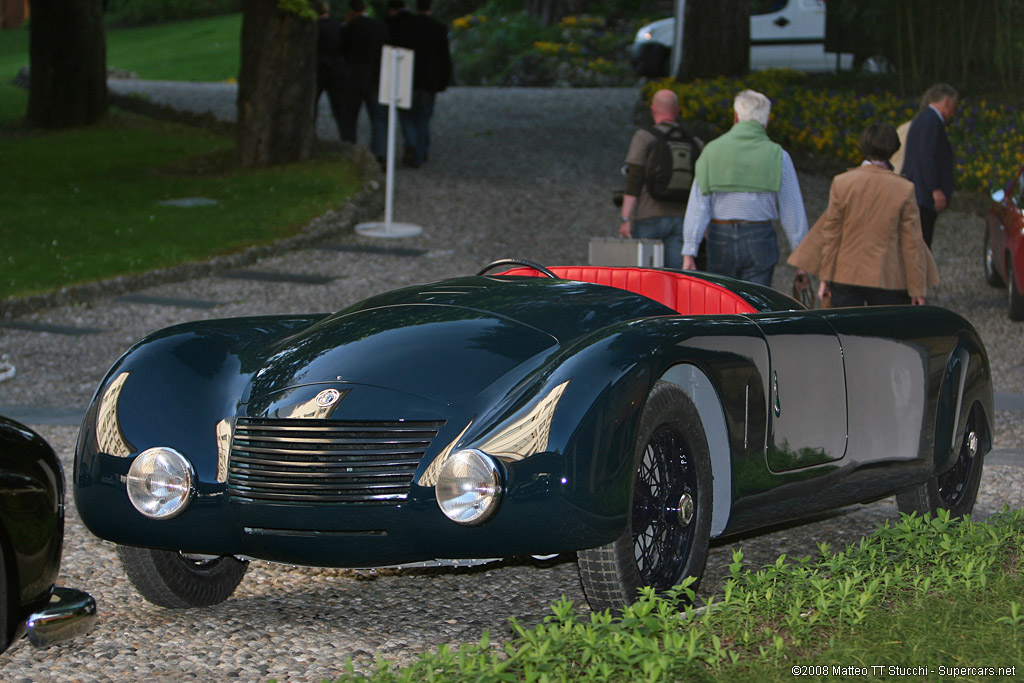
327	397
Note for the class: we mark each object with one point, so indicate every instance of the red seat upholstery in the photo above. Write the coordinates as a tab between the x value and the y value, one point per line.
683	293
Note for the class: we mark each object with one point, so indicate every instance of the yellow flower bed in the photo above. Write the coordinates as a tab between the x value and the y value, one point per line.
988	140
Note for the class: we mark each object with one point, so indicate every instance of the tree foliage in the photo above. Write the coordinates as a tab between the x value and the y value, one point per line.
549	12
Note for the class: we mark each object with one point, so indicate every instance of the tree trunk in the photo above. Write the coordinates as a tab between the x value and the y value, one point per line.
276	85
716	39
67	63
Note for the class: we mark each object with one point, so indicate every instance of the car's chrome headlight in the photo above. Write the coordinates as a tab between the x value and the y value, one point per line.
468	487
160	482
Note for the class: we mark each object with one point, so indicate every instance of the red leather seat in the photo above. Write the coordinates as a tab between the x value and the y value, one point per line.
683	293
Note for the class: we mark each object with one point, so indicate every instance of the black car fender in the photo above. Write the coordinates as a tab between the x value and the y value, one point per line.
966	387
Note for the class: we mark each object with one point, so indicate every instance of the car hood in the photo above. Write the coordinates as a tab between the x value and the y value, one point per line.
443	353
446	341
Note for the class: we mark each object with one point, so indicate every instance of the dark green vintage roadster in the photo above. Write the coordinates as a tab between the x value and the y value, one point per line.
625	414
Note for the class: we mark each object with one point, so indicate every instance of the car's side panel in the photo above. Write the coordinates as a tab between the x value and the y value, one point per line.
897	357
807	391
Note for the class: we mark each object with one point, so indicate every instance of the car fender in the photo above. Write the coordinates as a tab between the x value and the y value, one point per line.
699	388
208	362
966	386
610	375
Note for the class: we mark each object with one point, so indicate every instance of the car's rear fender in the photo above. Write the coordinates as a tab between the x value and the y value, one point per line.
966	386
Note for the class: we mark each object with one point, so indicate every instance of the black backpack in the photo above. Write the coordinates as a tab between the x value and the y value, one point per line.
670	164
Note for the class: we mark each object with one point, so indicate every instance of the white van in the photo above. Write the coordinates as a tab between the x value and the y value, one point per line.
783	34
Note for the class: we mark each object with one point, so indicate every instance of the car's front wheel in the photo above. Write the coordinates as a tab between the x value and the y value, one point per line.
957	488
176	580
992	275
666	539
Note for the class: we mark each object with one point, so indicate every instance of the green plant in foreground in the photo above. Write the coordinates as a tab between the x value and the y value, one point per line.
841	608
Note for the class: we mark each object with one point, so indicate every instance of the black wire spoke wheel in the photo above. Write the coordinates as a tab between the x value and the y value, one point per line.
663	503
954	485
956	489
669	526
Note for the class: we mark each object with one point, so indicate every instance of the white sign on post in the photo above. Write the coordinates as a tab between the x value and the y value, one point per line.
395	76
395	91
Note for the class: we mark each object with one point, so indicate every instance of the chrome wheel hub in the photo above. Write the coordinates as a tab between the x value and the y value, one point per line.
972	444
685	509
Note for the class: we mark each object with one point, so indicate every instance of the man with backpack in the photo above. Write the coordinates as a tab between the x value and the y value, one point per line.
659	171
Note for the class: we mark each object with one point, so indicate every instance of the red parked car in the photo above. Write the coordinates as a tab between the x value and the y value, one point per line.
1004	244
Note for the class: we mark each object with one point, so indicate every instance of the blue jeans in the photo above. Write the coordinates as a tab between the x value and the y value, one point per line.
668	229
415	123
745	251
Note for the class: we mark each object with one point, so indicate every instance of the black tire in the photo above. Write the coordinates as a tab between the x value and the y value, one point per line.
1015	301
5	607
957	488
669	525
171	579
992	275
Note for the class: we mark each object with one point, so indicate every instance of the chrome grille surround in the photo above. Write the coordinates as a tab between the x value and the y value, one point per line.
304	462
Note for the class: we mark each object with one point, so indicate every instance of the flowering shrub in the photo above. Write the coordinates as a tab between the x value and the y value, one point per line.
468	21
515	50
988	140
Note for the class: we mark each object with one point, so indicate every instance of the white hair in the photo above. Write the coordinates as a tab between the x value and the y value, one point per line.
751	105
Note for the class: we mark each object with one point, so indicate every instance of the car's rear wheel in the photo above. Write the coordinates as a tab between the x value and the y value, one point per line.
1015	302
955	489
172	579
666	538
991	274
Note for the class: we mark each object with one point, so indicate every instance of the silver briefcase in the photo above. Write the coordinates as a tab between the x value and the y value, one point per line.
622	251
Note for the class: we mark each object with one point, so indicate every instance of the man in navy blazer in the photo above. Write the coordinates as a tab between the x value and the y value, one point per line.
928	160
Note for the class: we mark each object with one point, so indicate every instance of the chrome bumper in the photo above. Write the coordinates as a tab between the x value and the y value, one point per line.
70	613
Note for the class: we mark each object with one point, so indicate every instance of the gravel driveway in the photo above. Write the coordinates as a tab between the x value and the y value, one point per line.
513	172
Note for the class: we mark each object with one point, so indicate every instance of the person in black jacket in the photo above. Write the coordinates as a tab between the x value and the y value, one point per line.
432	72
331	70
361	41
928	161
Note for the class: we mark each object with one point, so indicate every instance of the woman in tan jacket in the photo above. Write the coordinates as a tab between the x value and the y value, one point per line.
867	247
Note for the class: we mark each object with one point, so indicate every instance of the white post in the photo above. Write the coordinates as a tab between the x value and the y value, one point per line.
395	88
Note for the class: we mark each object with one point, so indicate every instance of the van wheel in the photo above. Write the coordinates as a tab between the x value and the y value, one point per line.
666	538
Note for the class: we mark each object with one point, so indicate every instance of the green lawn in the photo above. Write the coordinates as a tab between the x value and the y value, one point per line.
85	204
199	50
